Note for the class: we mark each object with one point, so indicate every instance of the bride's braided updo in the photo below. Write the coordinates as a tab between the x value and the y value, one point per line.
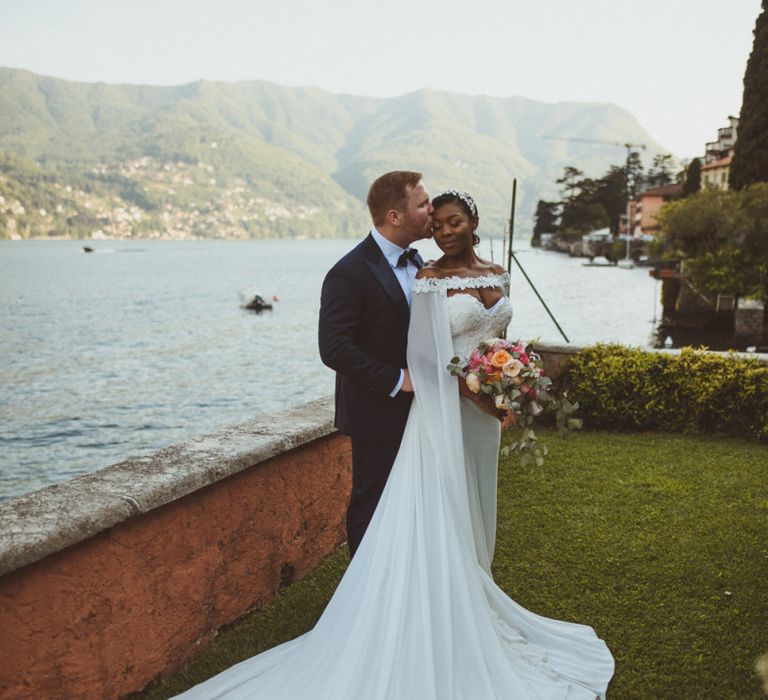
465	201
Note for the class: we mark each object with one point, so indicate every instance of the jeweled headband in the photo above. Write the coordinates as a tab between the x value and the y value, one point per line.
463	196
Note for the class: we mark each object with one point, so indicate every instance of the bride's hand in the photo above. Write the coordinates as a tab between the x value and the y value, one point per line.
489	406
485	402
510	421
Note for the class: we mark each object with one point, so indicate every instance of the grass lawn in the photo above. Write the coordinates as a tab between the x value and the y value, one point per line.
658	541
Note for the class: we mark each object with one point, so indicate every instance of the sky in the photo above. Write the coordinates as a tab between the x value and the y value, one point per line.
676	65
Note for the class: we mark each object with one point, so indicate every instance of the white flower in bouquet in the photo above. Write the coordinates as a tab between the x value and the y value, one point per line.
473	383
512	368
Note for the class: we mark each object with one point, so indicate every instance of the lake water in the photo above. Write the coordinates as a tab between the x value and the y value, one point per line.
143	344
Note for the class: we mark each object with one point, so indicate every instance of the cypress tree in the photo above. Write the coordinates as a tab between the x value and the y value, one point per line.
750	158
692	182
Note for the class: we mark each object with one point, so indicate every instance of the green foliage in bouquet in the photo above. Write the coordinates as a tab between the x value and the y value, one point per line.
622	388
527	445
512	377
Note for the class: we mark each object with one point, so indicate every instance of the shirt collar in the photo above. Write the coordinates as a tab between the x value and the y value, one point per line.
391	251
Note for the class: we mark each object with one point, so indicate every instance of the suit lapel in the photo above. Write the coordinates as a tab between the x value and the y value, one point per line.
385	276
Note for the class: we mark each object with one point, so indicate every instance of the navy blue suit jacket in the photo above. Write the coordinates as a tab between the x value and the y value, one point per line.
362	333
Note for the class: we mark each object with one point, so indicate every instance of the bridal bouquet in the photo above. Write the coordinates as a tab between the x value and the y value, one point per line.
514	379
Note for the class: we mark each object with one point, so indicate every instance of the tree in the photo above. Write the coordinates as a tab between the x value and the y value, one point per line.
611	192
692	182
723	237
582	213
750	158
590	204
570	182
545	219
661	170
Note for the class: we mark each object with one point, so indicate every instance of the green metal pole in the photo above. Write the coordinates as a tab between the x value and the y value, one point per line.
511	226
512	256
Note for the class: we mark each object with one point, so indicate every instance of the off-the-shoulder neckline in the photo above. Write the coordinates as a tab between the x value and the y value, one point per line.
493	275
459	278
457	282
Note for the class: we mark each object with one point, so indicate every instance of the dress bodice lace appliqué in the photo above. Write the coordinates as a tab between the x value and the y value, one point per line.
470	321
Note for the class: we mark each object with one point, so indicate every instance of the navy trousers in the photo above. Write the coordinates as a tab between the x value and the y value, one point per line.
371	464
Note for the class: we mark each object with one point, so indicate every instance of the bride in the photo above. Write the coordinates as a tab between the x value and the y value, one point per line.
417	615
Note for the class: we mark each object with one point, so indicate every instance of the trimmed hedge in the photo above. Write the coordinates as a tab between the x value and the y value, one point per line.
620	388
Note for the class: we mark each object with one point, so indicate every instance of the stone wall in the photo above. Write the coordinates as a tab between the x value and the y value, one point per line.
749	319
114	578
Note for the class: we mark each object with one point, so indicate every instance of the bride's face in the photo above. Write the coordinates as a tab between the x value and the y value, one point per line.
453	228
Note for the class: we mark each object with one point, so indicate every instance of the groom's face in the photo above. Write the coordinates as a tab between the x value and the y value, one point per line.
417	217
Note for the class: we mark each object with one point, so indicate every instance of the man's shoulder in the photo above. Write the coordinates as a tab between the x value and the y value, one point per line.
355	259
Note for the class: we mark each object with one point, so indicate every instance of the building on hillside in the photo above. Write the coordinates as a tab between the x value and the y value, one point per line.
718	155
651	201
715	173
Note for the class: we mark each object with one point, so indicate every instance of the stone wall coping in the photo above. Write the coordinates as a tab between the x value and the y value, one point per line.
43	522
563	349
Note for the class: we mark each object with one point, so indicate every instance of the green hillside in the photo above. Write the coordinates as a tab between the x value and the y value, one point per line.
256	159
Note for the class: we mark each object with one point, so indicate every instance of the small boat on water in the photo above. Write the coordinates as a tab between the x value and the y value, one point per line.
258	304
87	249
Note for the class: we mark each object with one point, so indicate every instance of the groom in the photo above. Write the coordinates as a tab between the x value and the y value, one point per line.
363	330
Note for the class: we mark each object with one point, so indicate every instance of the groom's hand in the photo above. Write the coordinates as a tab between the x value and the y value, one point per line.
407	386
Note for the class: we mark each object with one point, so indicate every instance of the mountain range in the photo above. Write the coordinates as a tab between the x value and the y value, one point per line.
256	159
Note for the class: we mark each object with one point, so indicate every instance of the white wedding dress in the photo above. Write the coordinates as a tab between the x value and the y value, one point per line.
417	615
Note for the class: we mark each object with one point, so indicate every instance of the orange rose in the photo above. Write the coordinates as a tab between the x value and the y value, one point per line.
500	358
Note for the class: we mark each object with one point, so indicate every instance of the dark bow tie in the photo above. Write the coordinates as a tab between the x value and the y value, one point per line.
410	254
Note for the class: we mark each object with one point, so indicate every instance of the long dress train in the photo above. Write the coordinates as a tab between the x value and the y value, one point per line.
417	615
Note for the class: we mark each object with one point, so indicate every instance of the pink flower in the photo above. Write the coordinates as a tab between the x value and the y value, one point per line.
524	389
475	360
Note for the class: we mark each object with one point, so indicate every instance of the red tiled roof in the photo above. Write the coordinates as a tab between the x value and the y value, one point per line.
722	163
664	190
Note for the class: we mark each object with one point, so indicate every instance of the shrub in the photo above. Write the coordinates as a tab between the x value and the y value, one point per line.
620	388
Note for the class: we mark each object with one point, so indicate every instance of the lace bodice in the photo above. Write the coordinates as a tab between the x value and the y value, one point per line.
470	321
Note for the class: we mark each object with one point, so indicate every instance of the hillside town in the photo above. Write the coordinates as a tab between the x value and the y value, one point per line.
147	198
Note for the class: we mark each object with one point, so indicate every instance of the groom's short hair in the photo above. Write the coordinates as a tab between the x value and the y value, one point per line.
390	191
